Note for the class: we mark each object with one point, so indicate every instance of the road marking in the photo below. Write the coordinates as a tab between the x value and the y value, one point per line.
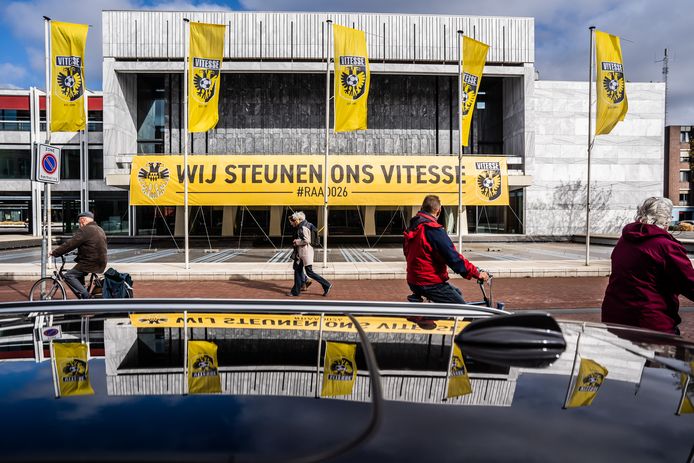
220	256
281	256
147	257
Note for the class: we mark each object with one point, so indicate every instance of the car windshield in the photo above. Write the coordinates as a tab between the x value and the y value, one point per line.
269	381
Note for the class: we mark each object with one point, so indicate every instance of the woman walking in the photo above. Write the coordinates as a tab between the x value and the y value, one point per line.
303	255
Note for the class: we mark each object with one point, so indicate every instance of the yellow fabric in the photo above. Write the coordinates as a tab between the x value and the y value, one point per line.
591	375
352	79
261	180
687	401
72	369
68	42
203	368
474	57
458	381
610	83
204	81
340	369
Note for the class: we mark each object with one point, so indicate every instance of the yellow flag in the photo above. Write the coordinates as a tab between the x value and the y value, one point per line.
72	369
204	81
340	369
610	83
68	42
687	401
459	381
203	369
486	182
352	79
474	57
591	375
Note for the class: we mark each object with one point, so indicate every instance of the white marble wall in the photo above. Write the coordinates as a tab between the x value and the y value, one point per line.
120	117
626	165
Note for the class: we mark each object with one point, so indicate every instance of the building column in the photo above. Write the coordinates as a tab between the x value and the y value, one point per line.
276	220
463	222
179	228
229	220
370	220
320	223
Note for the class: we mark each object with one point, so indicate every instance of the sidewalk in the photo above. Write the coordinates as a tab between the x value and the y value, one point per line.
334	271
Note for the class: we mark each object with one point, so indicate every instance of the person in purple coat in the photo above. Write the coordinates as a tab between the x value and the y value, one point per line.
650	269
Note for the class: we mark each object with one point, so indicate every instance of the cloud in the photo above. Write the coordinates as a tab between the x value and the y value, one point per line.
11	75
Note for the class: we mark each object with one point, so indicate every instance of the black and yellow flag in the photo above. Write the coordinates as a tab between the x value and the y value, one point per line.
610	83
352	79
474	57
204	70
686	404
72	369
459	381
591	375
340	369
68	42
203	369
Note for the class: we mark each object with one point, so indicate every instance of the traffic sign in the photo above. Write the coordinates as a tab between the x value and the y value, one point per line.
48	164
51	332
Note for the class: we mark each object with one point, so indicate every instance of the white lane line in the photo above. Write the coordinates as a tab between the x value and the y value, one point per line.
147	257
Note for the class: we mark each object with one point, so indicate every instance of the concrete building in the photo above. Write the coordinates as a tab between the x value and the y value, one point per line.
273	102
679	170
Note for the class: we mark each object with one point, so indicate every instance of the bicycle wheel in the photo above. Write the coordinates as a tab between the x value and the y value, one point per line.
47	289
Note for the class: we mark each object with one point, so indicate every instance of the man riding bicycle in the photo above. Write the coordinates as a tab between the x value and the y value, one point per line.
90	242
429	251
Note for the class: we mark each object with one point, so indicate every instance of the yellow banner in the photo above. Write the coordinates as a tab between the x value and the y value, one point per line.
203	368
68	42
610	83
249	321
352	79
686	404
474	57
591	375
339	369
458	381
204	75
72	369
290	180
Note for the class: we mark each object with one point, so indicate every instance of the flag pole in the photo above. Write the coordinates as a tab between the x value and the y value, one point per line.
573	370
46	226
460	141
590	145
186	34
327	148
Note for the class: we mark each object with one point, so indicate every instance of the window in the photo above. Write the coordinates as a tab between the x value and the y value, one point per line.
151	109
14	120
95	121
684	156
685	176
15	164
684	199
685	134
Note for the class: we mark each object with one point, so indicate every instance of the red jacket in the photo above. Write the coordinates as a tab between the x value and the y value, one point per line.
650	269
429	252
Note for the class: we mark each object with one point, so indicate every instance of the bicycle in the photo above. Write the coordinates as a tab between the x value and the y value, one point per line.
53	287
487	300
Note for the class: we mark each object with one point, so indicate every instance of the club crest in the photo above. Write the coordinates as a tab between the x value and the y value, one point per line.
153	179
204	365
341	370
469	91
613	81
69	77
205	78
489	180
352	75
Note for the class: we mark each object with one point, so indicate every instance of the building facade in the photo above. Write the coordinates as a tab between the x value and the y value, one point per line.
273	102
679	170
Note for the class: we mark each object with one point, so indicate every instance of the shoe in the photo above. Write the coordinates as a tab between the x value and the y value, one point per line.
292	294
423	322
327	290
306	285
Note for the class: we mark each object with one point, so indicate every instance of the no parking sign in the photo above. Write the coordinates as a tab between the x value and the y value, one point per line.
48	164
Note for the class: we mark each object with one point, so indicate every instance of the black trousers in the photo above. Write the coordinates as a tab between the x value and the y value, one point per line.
300	278
443	292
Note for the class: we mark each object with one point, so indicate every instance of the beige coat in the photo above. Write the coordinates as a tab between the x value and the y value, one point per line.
303	246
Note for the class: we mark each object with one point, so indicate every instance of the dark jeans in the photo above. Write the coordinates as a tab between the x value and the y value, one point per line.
300	278
443	292
75	280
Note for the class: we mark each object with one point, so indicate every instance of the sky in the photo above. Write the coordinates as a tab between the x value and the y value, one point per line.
646	27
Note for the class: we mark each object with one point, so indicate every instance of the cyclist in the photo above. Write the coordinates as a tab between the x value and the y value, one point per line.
90	242
429	251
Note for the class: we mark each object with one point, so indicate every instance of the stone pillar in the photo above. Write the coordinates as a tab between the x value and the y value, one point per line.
320	223
370	220
463	222
228	220
276	220
179	228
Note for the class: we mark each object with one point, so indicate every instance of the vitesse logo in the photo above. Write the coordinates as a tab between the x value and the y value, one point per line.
69	77
341	370
470	83
613	82
489	180
352	77
204	366
205	78
458	367
592	382
74	370
153	180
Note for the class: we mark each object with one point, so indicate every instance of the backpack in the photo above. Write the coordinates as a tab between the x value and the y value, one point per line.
116	284
315	235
